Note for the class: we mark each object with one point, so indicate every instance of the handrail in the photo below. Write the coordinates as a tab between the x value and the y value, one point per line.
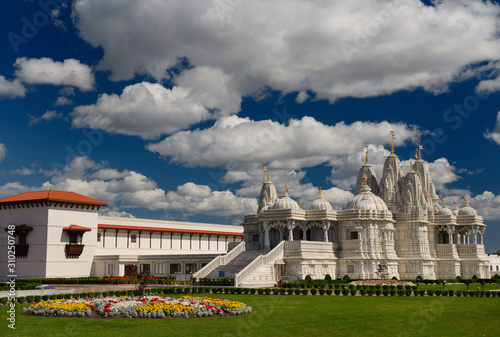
220	260
270	257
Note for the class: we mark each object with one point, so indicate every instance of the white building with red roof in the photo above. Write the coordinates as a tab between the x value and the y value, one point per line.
60	234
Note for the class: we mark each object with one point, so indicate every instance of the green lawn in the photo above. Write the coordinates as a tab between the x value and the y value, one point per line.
276	315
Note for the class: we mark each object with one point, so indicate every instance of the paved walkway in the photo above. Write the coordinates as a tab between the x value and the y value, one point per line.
74	289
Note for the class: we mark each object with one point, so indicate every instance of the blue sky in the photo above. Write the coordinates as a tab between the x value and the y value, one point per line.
167	109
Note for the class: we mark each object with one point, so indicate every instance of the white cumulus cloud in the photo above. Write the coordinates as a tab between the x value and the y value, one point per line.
327	49
70	72
3	151
494	135
12	88
145	109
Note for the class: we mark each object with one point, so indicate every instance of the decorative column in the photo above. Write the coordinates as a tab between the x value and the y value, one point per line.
267	246
325	226
290	225
474	235
481	233
304	232
280	229
450	231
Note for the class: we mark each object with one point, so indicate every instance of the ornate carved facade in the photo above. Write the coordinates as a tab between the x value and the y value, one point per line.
395	228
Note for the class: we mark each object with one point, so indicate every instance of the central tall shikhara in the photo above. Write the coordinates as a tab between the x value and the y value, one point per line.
393	228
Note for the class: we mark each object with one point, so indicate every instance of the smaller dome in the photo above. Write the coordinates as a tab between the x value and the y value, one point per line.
445	211
285	203
366	200
320	204
467	211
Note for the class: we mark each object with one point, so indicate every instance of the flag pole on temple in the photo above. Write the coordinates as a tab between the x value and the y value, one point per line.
420	147
366	158
392	143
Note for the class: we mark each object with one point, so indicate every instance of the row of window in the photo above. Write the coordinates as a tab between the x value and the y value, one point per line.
497	268
159	268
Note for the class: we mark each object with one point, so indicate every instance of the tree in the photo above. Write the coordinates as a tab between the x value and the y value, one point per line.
382	271
496	252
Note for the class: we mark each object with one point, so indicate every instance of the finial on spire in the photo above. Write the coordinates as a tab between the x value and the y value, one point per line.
411	166
320	191
264	173
466	201
392	143
420	147
454	204
366	157
267	176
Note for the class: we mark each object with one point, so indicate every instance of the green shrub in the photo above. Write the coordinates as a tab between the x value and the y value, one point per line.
345	292
313	291
392	292
359	287
385	292
385	287
378	292
305	291
438	293
309	279
267	291
458	293
30	299
337	291
329	292
401	293
3	300
408	292
362	292
346	279
378	286
430	292
370	292
38	298
400	286
351	286
331	286
282	291
321	291
353	292
21	299
488	293
45	297
276	291
422	292
260	291
328	278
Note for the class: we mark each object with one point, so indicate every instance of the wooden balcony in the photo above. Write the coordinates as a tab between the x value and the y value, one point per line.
74	250
22	251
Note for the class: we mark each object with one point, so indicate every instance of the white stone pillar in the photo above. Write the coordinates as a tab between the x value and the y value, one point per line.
267	246
290	226
326	227
280	229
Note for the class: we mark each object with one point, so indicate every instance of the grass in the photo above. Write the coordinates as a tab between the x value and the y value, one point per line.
291	315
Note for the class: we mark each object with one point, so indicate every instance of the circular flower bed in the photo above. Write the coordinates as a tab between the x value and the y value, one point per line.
133	307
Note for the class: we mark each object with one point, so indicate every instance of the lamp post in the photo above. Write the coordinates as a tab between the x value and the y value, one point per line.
467	282
444	283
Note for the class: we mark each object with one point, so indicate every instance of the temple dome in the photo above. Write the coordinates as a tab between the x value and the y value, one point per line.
285	203
320	204
366	200
445	211
467	211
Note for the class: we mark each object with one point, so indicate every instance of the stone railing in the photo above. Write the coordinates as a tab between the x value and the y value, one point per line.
261	260
351	245
220	261
444	248
470	249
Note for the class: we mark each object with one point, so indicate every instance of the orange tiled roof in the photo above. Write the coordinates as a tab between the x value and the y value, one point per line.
77	228
51	195
163	229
